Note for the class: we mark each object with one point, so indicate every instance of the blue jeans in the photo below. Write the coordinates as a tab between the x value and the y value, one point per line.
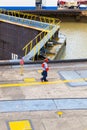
44	73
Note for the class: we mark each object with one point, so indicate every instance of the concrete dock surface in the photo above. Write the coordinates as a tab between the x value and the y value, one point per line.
66	81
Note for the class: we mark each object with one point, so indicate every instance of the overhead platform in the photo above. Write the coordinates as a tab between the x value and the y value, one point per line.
25	22
47	28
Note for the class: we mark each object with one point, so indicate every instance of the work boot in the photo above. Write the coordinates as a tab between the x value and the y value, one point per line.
46	80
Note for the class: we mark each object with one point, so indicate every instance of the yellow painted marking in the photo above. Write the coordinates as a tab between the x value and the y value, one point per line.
60	113
40	83
20	125
29	80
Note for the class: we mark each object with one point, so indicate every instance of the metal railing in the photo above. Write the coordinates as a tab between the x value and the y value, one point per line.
28	47
31	16
39	44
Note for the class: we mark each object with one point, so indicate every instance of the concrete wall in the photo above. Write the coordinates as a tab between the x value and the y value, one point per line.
13	38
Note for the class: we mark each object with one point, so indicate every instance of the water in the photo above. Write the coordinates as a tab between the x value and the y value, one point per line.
76	34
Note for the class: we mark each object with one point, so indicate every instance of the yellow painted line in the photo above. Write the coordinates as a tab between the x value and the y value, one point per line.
20	125
39	83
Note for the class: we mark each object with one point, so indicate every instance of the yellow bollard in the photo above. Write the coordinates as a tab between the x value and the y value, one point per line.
21	70
21	67
60	113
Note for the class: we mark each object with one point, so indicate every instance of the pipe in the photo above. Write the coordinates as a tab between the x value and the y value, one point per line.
17	62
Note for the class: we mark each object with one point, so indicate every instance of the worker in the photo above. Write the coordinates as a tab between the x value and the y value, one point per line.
45	70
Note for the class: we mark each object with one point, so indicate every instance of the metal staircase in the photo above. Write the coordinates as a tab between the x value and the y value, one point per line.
35	49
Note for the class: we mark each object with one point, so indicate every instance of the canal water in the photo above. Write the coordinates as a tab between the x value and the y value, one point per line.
76	34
